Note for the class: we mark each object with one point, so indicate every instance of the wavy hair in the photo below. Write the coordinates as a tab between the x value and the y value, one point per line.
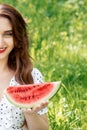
19	59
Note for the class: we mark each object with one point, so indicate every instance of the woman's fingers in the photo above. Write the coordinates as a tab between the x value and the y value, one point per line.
41	106
36	108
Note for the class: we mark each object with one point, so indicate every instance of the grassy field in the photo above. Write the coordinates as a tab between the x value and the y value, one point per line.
58	37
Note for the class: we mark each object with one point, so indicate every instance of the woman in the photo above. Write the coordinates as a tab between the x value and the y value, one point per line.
16	68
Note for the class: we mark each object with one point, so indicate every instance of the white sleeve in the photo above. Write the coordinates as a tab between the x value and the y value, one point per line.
38	78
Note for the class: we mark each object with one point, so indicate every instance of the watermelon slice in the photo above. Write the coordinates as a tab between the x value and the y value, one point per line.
27	96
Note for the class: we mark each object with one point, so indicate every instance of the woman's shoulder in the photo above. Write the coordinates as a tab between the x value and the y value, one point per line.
37	75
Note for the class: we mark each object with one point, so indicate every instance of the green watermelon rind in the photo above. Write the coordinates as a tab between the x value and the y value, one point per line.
49	96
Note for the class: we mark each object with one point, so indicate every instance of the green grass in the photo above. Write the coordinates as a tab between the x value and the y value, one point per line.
69	109
58	37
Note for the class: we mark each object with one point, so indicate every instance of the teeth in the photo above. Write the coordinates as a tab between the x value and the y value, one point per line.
2	49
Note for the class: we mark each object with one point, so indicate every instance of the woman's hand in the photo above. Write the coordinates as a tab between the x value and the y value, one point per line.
36	108
34	120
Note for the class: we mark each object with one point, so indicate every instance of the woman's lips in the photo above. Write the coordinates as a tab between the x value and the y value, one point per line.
2	50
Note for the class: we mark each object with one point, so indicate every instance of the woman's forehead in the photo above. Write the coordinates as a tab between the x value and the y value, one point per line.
5	24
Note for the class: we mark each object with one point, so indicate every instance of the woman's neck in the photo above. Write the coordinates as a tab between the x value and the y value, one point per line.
3	66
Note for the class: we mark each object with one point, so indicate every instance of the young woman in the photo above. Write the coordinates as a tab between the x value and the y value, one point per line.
16	68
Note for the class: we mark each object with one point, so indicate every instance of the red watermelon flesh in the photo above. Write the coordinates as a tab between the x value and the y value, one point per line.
32	94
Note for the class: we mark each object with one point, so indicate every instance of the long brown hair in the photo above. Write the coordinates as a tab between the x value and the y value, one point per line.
19	59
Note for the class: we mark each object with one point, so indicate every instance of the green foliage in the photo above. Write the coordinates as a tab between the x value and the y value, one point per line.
58	37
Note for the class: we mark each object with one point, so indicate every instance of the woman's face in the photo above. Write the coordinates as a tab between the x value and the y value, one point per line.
6	38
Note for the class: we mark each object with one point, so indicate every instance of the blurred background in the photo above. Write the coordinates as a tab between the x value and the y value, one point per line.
58	38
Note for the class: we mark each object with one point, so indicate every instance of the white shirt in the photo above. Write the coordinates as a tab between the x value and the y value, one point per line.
11	117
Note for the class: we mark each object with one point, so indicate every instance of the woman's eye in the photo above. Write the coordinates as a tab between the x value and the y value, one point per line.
8	34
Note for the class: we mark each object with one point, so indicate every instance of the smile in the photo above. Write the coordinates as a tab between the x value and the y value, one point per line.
2	49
